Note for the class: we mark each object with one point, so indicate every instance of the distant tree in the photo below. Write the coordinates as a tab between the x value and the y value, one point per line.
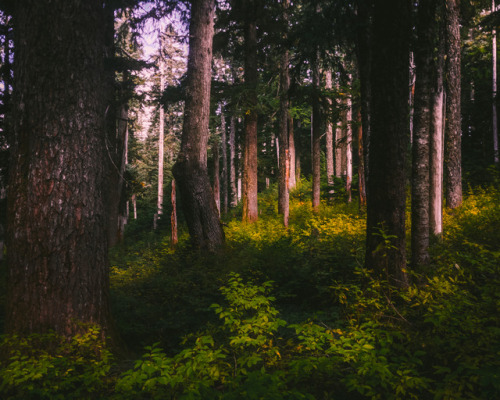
386	244
57	270
190	170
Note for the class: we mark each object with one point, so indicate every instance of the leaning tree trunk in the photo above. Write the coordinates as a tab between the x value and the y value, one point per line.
385	242
316	135
190	170
58	273
452	145
420	196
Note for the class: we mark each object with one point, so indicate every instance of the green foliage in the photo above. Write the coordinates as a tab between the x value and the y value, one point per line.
51	367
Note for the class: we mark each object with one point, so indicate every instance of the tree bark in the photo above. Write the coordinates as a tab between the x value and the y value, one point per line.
58	271
452	145
330	170
173	216
161	149
250	188
216	176
224	186
232	164
190	170
437	136
420	194
283	161
348	145
361	162
316	134
385	243
496	158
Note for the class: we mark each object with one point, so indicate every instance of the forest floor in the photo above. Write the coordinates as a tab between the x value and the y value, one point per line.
292	313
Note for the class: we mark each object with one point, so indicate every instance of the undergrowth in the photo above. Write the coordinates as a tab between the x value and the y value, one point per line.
288	314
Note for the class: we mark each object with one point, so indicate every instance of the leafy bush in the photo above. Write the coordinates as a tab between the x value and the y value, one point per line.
51	367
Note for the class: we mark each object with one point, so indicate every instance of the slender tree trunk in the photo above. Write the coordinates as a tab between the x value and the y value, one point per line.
291	152
494	89
232	164
385	244
224	187
284	173
361	163
452	145
316	135
422	121
173	216
437	138
329	134
190	170
161	150
58	272
250	188
348	145
216	176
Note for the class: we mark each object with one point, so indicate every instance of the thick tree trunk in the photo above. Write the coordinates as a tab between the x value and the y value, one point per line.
250	188
316	135
385	244
58	271
190	170
283	161
452	145
420	194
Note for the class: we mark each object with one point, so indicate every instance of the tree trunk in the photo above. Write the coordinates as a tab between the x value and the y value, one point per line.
224	188
437	137
283	161
173	216
316	135
190	170
161	149
494	90
385	243
291	154
361	163
250	188
348	145
420	194
452	145
58	271
232	164
216	176
329	134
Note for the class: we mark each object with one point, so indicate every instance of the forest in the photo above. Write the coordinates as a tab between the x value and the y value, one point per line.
249	199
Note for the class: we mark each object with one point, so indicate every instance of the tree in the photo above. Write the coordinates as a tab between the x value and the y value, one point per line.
249	195
190	170
452	145
420	200
496	158
316	132
58	271
385	243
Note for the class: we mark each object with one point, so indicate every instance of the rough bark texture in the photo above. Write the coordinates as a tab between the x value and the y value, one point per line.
216	176
249	195
421	138
58	271
283	190
348	145
190	170
291	153
385	245
452	145
223	176
161	148
361	163
316	135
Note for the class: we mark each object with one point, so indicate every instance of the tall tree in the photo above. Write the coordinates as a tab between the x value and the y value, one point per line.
385	244
330	170
284	162
316	132
249	195
453	131
190	169
58	271
496	158
420	199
